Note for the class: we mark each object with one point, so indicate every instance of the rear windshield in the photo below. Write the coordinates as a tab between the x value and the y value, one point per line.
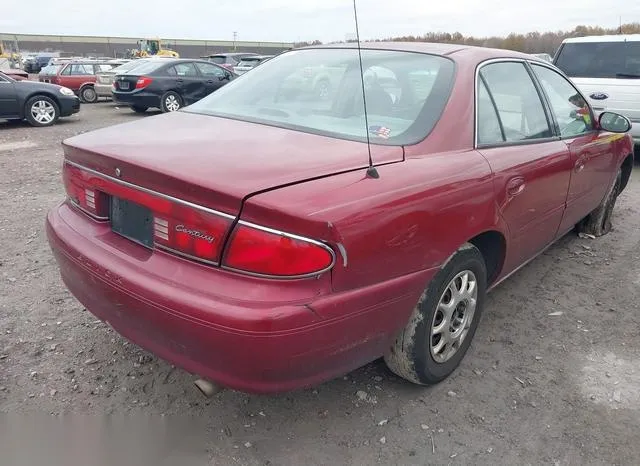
249	62
146	67
600	59
127	66
320	91
220	60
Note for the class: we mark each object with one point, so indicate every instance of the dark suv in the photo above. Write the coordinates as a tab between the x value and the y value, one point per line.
35	64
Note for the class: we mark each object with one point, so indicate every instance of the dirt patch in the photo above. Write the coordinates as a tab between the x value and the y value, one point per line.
524	394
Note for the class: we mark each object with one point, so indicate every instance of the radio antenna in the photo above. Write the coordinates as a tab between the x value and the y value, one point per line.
372	172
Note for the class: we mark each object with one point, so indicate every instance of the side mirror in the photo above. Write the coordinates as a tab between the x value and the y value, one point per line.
614	122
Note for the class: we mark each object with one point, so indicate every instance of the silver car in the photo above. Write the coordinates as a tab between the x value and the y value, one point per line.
104	79
249	63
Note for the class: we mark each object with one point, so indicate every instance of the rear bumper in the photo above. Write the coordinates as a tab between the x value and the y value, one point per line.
138	98
242	341
103	90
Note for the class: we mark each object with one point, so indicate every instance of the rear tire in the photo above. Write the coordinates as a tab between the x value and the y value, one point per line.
139	109
41	111
598	222
88	95
443	322
171	102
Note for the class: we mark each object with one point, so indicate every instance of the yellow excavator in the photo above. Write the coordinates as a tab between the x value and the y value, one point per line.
152	48
8	59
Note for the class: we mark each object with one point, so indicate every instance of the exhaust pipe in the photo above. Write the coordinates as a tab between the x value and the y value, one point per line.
207	388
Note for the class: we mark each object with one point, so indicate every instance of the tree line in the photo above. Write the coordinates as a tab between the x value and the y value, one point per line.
531	42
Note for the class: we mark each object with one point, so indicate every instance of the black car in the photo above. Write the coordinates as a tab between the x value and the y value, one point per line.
168	84
41	104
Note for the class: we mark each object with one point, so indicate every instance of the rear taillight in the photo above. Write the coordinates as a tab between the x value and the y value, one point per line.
82	194
180	227
190	232
199	233
262	251
143	82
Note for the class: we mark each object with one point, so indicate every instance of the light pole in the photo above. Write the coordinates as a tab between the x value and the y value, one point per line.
235	37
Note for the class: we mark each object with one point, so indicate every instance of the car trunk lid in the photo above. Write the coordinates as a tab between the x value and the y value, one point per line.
125	82
216	162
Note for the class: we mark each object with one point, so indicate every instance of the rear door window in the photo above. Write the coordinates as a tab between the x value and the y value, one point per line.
600	59
517	100
183	70
79	69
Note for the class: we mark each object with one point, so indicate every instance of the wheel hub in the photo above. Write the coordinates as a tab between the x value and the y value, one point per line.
42	111
453	316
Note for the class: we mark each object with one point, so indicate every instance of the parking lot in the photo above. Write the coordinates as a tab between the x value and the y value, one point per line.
551	378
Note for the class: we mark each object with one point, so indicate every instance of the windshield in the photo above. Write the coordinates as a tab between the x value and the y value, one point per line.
51	69
600	59
320	91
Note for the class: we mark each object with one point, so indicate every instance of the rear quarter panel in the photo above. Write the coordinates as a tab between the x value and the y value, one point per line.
412	218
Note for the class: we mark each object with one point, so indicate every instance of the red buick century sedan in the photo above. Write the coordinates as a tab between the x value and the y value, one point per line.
269	238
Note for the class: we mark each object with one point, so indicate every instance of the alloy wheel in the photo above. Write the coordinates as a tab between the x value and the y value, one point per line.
43	112
171	103
453	316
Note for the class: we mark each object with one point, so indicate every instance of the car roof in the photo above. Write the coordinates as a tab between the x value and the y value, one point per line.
611	38
176	60
457	52
171	59
231	54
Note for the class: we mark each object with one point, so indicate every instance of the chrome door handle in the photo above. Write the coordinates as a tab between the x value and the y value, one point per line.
515	186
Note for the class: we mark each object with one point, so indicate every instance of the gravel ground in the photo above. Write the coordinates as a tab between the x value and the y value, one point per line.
552	376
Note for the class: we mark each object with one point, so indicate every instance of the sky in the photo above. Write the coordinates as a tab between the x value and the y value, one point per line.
301	20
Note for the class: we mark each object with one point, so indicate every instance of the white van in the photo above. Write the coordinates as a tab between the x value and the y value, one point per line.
607	71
